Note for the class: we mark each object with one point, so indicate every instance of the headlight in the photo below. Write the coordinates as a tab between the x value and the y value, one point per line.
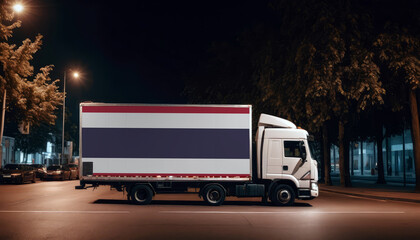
314	186
15	174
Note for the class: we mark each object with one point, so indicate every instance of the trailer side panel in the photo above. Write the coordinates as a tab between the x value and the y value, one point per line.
166	141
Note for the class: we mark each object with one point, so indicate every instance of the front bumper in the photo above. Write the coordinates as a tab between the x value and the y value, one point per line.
10	178
52	177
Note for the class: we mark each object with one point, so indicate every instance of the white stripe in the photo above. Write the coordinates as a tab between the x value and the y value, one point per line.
166	120
170	165
87	212
295	212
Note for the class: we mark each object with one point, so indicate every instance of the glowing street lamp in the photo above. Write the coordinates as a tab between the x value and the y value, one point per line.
18	7
75	75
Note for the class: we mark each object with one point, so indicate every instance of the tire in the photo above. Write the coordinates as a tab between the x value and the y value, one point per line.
283	195
63	177
141	194
214	195
34	179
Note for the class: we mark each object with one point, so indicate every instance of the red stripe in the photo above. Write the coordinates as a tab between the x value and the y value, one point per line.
164	109
168	175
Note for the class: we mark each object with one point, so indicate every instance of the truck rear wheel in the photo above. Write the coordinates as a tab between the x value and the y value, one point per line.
141	195
214	195
283	195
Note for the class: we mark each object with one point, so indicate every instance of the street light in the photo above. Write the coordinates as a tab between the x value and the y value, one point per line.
75	75
18	7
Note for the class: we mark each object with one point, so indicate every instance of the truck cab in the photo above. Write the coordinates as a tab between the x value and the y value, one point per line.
284	158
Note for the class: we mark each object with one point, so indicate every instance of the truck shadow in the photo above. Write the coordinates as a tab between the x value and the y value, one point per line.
196	203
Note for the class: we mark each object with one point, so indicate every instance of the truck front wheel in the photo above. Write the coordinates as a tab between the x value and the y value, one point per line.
141	195
283	195
214	195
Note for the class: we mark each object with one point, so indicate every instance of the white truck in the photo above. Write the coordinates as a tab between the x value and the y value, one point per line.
150	149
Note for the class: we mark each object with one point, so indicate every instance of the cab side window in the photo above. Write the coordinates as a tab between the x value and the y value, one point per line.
292	149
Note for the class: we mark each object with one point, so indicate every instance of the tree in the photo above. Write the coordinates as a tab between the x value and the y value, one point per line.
36	140
32	101
328	73
399	48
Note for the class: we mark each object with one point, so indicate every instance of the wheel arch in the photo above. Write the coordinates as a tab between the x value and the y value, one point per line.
131	186
276	182
204	186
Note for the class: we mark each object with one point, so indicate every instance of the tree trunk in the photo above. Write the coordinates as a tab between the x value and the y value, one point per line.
347	161
343	156
379	139
321	164
415	131
327	156
3	113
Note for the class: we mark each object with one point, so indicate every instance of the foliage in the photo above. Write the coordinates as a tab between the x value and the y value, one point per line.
30	99
329	67
400	50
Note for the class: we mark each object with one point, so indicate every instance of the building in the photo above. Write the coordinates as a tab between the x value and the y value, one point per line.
398	157
13	155
8	150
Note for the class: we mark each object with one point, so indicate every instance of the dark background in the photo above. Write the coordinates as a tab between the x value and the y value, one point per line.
130	52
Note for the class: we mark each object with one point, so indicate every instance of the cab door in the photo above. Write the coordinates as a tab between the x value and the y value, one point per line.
274	156
293	157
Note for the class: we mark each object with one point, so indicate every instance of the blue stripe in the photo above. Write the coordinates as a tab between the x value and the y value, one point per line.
165	143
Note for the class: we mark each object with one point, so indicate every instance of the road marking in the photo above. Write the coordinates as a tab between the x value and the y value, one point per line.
294	212
86	212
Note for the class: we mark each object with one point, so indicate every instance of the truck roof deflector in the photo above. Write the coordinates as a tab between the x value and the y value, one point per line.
271	121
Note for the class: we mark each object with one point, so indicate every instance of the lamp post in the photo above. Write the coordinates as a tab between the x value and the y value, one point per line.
75	75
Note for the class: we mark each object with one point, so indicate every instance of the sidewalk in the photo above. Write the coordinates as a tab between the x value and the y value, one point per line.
369	189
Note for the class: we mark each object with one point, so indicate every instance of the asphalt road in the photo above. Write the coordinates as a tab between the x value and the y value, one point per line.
55	210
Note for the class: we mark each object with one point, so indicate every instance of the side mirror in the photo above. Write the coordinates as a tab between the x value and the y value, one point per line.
302	150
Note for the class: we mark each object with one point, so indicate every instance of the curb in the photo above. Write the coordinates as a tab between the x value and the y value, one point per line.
374	197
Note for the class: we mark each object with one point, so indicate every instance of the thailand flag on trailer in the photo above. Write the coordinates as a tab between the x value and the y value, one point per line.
160	140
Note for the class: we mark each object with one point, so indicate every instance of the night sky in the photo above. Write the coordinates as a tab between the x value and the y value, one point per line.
130	51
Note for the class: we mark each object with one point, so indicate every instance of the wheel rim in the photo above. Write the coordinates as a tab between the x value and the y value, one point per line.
284	196
213	196
141	195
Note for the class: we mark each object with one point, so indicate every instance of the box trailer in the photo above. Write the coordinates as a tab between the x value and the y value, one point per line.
150	149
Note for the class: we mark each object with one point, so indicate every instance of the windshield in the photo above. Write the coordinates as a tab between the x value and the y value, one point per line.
13	167
54	168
